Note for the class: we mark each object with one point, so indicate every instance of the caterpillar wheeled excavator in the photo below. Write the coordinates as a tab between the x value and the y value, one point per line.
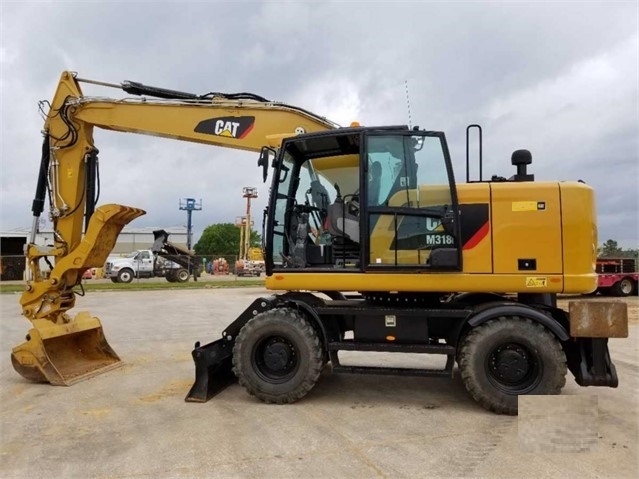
376	245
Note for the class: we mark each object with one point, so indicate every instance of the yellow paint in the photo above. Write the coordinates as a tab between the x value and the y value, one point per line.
524	206
520	235
578	228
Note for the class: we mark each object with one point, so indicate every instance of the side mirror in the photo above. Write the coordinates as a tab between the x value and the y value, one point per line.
265	160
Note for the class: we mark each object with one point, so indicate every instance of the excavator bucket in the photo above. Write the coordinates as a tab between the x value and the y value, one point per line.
65	354
213	370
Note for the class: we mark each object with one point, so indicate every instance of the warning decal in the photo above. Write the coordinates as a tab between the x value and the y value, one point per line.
536	282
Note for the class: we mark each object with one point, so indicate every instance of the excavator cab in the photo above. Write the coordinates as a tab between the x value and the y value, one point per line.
363	199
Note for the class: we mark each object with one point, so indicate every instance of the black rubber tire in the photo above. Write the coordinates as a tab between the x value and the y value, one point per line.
125	275
181	275
622	288
544	358
114	279
170	276
278	333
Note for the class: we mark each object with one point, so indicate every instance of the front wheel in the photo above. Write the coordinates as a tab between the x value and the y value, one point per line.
278	356
125	276
510	356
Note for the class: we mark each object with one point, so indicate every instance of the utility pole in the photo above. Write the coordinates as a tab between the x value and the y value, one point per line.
189	205
248	192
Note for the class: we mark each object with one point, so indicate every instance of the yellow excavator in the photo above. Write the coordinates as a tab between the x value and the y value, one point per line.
376	245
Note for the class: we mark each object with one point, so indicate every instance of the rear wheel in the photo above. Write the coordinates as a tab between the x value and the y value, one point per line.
624	287
182	275
511	356
278	356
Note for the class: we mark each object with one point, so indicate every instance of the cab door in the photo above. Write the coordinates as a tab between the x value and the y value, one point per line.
411	209
145	263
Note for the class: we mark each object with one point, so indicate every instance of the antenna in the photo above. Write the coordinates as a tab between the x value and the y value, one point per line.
410	120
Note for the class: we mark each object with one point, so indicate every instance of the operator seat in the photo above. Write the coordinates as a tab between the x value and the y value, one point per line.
343	216
340	222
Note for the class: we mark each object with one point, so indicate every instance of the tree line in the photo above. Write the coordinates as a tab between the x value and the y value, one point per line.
611	249
223	239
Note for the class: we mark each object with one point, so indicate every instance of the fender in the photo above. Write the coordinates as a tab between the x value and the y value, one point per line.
492	310
307	302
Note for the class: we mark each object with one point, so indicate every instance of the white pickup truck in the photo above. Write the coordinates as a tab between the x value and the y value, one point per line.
164	259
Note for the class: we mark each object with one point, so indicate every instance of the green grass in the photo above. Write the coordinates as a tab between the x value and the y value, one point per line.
142	285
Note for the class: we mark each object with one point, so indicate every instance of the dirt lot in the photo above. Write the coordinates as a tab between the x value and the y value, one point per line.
133	422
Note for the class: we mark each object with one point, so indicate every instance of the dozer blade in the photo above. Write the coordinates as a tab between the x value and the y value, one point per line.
65	354
213	370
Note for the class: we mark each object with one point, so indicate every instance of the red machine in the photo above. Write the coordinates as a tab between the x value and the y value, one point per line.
617	276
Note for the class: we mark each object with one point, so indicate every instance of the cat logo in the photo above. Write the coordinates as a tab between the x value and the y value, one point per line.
433	225
228	126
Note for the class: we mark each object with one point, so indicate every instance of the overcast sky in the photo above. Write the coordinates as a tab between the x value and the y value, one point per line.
557	78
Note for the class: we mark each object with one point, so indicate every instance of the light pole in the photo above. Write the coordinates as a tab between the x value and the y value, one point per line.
248	192
189	205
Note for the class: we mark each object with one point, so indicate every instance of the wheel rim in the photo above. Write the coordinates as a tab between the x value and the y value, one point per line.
513	368
125	277
183	275
275	359
626	286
